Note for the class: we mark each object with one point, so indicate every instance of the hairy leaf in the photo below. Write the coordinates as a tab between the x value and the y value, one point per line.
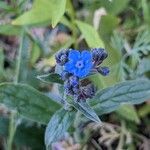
27	101
58	125
50	78
129	92
86	110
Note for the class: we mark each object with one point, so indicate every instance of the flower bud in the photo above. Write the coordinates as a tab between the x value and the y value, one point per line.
85	92
99	54
62	57
89	91
103	70
76	89
68	88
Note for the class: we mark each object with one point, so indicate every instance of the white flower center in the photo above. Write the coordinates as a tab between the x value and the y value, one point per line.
79	64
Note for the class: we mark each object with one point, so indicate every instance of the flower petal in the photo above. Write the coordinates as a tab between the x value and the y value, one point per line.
74	55
88	66
86	56
82	73
69	66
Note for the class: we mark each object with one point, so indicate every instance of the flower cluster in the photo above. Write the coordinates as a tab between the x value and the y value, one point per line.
78	65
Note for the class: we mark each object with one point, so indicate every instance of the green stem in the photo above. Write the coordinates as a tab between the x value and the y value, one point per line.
12	130
19	59
13	124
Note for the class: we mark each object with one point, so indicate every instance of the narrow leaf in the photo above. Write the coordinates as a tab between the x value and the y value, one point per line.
58	125
27	101
86	110
23	58
90	34
50	78
129	92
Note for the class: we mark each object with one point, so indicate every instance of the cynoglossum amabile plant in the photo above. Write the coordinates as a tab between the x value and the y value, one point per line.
77	65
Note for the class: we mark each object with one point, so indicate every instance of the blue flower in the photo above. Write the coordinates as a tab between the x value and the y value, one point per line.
79	64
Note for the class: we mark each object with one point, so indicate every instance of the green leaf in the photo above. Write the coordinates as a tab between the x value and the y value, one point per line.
86	110
128	112
50	78
129	92
58	125
35	53
27	101
70	9
90	34
43	11
144	110
107	25
58	9
8	29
